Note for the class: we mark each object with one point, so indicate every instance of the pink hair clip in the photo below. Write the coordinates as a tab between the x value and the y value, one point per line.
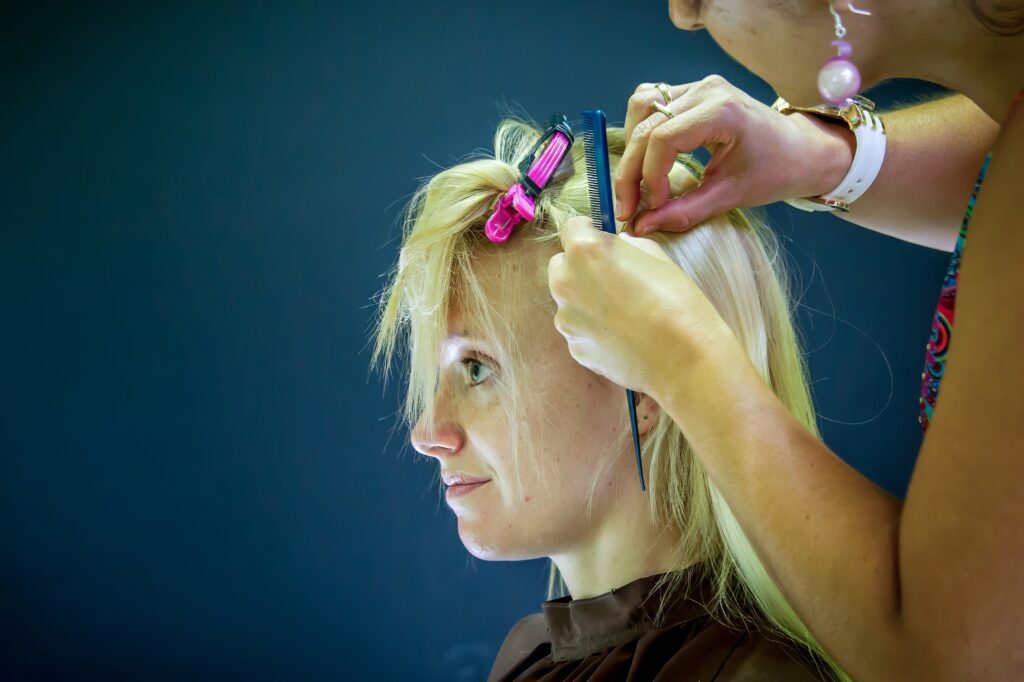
517	205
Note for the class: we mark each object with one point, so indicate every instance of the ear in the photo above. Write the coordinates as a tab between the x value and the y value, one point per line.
647	413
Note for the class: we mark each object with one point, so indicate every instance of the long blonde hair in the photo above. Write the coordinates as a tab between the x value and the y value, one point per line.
733	258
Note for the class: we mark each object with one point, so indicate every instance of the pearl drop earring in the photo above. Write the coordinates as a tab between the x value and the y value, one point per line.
839	79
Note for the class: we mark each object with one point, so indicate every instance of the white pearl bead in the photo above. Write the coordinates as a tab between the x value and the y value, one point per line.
838	80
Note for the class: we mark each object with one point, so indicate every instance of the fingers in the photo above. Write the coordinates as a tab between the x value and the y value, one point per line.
688	130
713	197
580	233
647	245
583	247
639	106
639	110
556	266
574	230
630	168
626	183
712	95
664	137
560	286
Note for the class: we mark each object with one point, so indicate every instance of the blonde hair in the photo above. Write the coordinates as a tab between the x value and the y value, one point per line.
733	258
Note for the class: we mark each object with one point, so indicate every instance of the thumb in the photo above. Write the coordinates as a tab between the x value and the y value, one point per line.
711	198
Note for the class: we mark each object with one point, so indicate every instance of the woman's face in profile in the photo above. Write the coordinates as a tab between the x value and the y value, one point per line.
572	416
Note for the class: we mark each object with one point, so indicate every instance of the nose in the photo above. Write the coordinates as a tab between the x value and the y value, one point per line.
446	438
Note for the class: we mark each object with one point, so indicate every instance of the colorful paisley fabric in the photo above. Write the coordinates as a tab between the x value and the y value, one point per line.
942	323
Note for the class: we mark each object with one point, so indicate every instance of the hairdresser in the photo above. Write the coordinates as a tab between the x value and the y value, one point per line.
931	587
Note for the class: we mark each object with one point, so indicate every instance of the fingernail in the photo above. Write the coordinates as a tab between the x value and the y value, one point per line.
618	210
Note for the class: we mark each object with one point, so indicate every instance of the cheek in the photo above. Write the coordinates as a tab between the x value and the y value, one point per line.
784	49
577	426
574	424
742	34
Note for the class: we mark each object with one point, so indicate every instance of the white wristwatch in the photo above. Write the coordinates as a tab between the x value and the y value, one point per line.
869	132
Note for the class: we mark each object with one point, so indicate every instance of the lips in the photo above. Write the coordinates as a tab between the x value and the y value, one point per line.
462	484
462	479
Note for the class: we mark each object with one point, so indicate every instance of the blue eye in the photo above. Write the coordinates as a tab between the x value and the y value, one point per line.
476	372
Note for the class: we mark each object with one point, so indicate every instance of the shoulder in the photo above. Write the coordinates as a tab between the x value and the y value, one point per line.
757	657
526	635
723	654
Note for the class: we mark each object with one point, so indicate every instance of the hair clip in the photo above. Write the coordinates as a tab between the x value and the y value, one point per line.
517	205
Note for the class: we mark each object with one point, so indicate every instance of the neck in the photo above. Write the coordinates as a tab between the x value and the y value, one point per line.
624	547
942	42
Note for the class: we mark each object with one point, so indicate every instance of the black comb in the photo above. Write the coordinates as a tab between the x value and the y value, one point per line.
599	187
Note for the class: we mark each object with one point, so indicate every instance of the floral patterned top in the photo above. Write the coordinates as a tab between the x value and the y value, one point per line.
942	322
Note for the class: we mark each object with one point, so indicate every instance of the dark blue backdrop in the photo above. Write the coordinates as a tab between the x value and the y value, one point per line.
199	478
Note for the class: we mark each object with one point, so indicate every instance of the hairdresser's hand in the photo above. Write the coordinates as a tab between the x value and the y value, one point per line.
630	313
759	156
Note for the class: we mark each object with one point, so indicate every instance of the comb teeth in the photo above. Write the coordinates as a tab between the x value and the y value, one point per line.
595	142
593	190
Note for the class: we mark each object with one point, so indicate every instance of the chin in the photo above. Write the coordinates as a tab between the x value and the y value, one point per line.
800	97
672	15
490	546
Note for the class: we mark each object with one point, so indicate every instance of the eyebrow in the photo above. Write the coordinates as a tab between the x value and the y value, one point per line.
460	333
462	336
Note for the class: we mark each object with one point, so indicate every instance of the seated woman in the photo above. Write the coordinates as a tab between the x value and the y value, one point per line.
535	450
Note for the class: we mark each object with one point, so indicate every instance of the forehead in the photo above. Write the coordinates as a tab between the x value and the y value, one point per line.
511	280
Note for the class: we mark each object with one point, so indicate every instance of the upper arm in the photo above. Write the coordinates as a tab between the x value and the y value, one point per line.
962	527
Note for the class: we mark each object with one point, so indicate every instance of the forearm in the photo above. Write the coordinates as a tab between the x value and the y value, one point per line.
933	154
825	533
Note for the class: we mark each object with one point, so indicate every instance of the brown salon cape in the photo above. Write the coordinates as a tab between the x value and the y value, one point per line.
613	637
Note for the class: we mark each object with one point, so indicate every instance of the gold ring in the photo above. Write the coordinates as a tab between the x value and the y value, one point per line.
662	109
665	92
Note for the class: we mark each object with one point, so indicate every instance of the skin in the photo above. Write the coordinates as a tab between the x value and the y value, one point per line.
938	40
930	588
574	416
785	48
763	157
